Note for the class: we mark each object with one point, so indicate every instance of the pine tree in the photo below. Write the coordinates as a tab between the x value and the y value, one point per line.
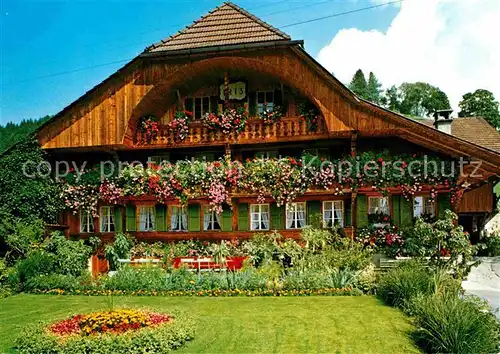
358	84
374	89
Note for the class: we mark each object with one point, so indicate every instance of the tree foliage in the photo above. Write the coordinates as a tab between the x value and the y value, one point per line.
358	84
12	133
26	197
480	103
417	99
374	89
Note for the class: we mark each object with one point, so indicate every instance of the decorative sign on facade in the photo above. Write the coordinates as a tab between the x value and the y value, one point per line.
237	91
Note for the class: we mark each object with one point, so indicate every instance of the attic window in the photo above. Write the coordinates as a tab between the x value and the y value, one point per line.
265	100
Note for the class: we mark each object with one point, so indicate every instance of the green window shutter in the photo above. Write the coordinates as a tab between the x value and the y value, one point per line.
118	219
252	104
194	217
396	210
406	212
161	217
347	213
314	213
131	223
243	217
443	203
361	211
277	217
227	219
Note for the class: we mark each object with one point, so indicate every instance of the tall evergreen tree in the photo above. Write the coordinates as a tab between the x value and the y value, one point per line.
358	84
480	103
374	89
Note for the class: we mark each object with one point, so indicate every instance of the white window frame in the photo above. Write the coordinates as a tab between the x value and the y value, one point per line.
256	216
202	111
372	208
260	105
428	207
293	211
107	219
86	222
149	210
333	206
181	222
214	220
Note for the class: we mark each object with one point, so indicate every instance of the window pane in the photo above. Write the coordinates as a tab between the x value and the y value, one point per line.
270	96
197	108
261	97
206	105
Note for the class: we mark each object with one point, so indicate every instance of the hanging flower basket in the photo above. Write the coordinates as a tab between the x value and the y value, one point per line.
180	124
232	120
271	116
150	127
310	114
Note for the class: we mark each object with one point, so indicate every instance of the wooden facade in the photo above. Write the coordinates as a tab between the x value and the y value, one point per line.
105	121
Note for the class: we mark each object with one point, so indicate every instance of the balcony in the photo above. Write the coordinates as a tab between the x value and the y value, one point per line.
256	131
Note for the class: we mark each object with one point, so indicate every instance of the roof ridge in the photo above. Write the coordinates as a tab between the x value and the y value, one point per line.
231	5
258	20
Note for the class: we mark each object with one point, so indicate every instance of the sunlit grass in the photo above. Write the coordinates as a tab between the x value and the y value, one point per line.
244	324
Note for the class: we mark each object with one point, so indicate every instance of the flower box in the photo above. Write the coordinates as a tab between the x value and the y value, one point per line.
207	263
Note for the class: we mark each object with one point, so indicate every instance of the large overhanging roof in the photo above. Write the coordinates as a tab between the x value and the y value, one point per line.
224	26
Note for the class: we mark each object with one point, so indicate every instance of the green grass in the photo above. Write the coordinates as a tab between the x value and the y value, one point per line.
244	324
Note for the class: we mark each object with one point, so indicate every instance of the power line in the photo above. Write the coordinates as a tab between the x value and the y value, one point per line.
297	8
341	14
285	26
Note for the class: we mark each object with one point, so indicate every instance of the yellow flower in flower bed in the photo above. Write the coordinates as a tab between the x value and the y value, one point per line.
116	320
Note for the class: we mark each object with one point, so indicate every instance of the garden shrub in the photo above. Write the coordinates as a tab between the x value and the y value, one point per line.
65	282
493	244
450	324
38	262
70	257
119	249
19	235
400	285
160	339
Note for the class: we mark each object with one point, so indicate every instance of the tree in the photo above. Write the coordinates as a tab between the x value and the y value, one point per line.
12	133
374	89
480	103
417	99
358	84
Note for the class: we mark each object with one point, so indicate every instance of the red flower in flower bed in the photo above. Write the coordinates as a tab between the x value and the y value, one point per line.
116	321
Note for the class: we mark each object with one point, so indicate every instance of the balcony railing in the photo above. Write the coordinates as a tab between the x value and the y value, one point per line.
256	130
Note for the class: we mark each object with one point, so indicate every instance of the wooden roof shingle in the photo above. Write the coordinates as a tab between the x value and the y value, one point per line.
227	24
475	130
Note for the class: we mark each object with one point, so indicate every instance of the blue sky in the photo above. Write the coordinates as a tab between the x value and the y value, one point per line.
40	38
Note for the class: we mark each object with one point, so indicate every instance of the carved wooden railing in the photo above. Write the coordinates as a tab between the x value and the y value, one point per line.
255	130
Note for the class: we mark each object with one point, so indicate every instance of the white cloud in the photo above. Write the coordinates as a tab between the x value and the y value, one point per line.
452	44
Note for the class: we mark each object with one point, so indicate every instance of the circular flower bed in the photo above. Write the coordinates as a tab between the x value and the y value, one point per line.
123	330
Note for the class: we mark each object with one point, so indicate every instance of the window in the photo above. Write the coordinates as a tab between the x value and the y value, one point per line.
86	221
295	215
265	100
211	220
146	218
333	213
178	220
107	219
422	205
266	154
200	106
378	205
259	217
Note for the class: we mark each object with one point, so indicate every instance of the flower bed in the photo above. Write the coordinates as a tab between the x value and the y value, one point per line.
213	292
121	330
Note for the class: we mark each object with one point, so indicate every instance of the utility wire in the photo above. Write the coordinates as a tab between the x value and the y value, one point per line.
285	26
341	14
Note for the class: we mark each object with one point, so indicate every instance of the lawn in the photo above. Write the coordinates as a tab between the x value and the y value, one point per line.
244	324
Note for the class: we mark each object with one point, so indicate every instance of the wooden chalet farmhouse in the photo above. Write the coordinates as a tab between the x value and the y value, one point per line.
230	61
